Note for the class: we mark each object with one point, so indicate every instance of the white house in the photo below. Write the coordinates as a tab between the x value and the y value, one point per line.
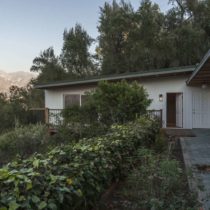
183	93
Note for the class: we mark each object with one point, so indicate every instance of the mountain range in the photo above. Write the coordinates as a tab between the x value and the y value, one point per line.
19	78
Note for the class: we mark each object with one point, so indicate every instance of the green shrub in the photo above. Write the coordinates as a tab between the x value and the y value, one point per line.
73	176
23	141
161	142
110	103
119	102
158	183
80	122
72	133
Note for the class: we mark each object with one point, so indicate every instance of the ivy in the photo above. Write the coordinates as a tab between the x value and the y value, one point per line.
73	176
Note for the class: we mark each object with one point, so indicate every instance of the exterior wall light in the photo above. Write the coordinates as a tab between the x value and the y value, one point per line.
161	97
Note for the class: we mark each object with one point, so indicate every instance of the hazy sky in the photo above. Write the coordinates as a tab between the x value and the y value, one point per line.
29	26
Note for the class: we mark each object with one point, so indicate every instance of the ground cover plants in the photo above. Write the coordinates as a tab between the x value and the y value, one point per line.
73	176
157	182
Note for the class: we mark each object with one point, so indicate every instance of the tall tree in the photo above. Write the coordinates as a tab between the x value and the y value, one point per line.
129	40
147	37
115	23
48	66
190	29
75	56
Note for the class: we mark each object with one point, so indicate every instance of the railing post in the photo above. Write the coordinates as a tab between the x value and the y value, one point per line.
161	118
46	115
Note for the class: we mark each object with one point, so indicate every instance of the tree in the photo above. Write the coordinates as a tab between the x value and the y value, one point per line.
145	44
6	114
191	38
130	40
48	66
115	23
148	39
75	57
16	104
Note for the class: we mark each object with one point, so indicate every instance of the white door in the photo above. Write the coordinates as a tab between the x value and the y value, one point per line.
201	109
179	110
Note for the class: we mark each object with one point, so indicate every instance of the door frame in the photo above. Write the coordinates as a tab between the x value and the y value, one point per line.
167	107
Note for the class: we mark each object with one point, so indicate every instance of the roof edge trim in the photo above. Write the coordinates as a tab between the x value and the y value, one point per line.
198	68
116	77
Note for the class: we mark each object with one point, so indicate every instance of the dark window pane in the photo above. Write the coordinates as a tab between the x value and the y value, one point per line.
71	100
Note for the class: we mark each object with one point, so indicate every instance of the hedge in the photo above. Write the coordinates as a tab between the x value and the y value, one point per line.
73	176
23	141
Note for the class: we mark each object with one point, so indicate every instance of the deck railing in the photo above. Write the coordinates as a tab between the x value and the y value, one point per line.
54	116
37	115
156	114
45	115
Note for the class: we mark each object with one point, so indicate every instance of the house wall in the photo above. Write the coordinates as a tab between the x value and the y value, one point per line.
154	87
54	99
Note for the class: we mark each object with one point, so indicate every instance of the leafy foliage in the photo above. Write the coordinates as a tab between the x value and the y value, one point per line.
48	66
74	61
23	141
115	23
131	40
75	56
16	104
73	176
144	39
110	103
80	122
119	102
157	183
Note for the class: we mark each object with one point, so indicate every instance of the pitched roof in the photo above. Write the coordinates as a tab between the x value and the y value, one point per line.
132	75
201	75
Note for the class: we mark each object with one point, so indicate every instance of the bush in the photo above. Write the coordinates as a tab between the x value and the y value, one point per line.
73	176
80	122
157	183
23	141
111	103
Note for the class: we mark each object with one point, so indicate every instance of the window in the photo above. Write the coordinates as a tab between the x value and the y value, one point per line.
71	100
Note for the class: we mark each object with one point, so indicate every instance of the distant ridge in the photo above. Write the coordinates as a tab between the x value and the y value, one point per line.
19	78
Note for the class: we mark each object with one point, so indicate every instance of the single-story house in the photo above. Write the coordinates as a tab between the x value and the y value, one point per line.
181	93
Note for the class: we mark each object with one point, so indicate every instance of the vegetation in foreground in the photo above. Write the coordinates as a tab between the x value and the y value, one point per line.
76	172
23	141
107	101
157	181
73	176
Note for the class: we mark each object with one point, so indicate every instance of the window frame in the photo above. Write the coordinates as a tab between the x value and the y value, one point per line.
70	94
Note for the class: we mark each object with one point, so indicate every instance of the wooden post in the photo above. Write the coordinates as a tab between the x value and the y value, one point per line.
161	118
46	115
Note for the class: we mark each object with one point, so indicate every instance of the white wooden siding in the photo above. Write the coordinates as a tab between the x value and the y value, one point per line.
154	87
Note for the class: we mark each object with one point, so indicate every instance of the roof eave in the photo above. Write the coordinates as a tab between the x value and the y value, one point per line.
198	68
93	81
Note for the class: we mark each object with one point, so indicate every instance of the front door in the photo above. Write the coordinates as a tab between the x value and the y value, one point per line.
175	110
201	109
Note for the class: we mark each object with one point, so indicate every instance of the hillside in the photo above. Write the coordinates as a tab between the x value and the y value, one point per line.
19	78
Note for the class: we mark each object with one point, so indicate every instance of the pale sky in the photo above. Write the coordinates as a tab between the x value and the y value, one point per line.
29	26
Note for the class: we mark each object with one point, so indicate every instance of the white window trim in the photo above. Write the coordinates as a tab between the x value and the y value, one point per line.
80	98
